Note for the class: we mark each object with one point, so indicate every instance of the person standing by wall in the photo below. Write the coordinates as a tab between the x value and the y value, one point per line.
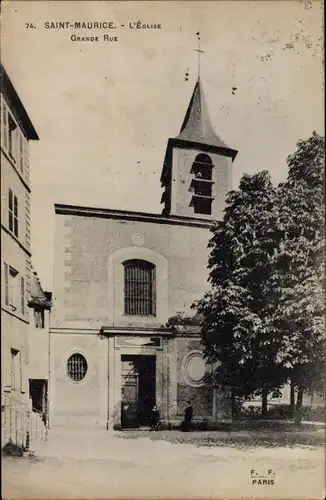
155	419
186	424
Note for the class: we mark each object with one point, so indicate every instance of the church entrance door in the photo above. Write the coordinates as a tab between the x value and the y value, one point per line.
138	389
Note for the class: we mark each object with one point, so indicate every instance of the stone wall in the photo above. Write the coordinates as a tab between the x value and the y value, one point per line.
200	396
75	402
86	289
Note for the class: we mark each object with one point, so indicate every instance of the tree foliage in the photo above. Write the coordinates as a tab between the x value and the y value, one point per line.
298	280
264	312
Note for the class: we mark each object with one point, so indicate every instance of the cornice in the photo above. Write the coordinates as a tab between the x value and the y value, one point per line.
106	213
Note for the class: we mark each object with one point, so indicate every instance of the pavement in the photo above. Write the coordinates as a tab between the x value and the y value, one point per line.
96	464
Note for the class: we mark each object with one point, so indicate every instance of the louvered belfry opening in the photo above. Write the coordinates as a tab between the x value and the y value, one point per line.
201	184
139	288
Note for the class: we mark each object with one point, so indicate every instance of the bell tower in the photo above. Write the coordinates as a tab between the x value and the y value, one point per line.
196	173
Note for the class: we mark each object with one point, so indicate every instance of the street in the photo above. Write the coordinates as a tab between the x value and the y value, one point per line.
95	464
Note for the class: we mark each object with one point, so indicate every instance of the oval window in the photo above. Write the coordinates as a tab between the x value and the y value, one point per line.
196	368
76	367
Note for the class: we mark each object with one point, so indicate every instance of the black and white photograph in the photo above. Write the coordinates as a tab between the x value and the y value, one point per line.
162	250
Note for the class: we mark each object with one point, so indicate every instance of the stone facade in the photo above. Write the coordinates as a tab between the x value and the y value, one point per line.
88	311
110	363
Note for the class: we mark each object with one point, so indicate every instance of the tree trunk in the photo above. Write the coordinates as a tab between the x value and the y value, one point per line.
292	400
264	402
234	408
298	408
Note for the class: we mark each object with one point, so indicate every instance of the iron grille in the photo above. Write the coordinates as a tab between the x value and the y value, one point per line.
76	367
139	288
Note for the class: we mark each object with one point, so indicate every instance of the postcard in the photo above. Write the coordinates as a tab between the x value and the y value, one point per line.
162	300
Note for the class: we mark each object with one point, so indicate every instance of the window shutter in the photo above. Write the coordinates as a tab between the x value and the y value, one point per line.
26	160
22	295
21	152
6	270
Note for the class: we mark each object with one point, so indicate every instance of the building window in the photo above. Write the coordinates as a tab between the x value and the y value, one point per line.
76	367
139	288
12	137
15	369
4	125
13	213
39	318
13	289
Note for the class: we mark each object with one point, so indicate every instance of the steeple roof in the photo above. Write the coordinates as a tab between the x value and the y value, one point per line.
197	125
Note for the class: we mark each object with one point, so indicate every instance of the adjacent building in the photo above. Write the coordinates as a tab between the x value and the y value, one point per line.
17	131
120	276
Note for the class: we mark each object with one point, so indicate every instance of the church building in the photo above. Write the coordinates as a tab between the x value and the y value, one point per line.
119	277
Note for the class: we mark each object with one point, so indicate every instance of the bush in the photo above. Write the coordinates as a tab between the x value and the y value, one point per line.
283	412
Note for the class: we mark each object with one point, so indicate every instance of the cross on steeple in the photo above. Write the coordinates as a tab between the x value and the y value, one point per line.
199	52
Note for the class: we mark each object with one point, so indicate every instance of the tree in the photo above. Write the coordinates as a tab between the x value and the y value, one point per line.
297	284
235	330
263	318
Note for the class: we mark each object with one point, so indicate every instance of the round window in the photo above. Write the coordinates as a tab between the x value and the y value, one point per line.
76	367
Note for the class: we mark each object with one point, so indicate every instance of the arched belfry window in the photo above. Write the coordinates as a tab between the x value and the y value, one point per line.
201	184
139	288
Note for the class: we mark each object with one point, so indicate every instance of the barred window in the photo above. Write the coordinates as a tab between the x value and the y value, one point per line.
139	288
76	367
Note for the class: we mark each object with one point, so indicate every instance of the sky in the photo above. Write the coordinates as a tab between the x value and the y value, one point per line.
104	111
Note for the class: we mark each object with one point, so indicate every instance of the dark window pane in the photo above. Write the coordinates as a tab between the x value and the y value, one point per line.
10	200
15	226
15	206
11	222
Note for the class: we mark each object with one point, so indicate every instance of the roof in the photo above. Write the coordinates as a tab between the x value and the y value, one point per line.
39	298
16	105
197	125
